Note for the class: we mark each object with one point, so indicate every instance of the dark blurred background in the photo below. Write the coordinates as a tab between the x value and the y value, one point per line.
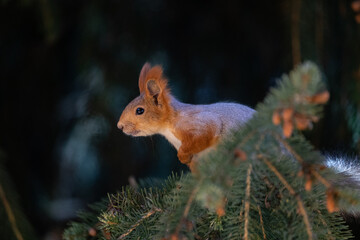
68	68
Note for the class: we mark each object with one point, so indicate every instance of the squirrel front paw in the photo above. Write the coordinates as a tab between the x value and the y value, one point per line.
185	158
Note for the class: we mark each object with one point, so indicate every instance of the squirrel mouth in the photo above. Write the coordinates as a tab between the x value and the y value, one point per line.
133	133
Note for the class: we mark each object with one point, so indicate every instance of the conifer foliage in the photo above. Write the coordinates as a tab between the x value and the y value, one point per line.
13	222
264	182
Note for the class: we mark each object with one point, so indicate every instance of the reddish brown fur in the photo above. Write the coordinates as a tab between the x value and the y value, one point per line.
142	78
153	73
193	144
189	128
155	116
192	140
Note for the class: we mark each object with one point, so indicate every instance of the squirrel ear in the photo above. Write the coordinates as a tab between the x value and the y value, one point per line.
156	85
142	78
152	87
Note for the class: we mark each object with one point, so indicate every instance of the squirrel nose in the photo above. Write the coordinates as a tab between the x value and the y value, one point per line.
120	126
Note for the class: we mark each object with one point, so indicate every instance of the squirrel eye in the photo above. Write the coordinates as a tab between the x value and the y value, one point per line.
139	111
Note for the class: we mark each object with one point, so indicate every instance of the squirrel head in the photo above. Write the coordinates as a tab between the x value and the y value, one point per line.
148	113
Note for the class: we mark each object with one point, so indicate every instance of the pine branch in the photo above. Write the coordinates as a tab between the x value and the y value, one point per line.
292	192
329	235
147	215
13	223
247	202
312	171
187	209
250	187
10	214
261	222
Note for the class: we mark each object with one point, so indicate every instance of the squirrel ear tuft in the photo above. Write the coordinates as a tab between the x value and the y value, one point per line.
142	78
153	83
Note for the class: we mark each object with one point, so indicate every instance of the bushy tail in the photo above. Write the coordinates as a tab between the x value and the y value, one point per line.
349	176
346	166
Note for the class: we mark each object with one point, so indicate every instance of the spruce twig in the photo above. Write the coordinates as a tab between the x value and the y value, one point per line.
331	193
133	227
261	222
325	225
292	192
289	148
187	208
246	138
222	182
247	202
10	214
302	162
241	215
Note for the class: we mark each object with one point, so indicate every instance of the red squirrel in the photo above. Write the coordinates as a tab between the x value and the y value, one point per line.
194	129
191	129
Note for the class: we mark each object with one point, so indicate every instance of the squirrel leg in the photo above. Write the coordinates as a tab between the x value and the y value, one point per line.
193	145
184	157
188	149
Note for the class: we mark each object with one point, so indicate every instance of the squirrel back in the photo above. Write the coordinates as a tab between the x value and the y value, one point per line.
191	129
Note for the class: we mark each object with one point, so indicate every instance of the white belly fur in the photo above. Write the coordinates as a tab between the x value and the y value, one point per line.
171	138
